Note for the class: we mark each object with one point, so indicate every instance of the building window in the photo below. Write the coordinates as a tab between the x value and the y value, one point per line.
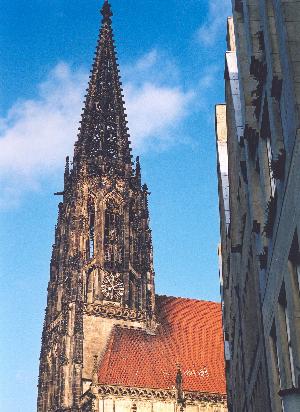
139	296
274	356
275	367
293	280
285	342
294	268
113	236
288	330
269	155
270	182
132	292
91	217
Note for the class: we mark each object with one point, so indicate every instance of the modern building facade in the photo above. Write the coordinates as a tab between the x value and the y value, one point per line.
258	144
109	343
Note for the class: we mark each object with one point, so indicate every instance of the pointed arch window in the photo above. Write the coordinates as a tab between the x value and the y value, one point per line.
139	296
91	222
113	235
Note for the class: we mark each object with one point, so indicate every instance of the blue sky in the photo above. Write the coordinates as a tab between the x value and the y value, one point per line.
171	55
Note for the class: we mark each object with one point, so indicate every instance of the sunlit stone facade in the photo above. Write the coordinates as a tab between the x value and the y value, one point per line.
258	145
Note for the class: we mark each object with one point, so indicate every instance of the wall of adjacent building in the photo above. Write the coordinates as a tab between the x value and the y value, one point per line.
259	166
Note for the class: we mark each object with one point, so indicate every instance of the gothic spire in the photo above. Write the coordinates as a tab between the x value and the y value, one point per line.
102	258
103	136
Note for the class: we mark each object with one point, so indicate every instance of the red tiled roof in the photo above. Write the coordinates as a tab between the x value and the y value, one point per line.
189	334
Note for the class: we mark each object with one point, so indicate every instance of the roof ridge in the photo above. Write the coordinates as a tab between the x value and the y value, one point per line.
185	298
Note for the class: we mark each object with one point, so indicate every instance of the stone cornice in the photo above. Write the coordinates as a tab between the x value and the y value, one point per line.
116	312
108	391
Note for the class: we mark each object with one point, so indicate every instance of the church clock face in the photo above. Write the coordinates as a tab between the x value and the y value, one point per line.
113	287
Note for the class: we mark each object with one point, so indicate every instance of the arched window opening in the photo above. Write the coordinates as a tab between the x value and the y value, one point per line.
113	236
139	296
88	286
131	291
91	245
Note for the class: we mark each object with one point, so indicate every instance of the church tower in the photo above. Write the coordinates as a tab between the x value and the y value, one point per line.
101	271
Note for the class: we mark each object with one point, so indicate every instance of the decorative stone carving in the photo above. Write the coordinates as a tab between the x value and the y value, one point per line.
152	394
116	312
113	287
55	323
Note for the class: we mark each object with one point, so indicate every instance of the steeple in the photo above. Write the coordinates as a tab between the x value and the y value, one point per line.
101	268
103	139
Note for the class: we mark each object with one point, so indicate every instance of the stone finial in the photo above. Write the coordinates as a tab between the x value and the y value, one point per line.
95	371
179	379
179	383
145	188
67	165
138	171
67	171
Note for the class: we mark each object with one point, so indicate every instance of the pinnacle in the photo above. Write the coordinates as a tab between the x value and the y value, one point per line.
138	171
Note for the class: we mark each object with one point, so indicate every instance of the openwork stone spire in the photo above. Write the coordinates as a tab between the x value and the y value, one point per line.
103	139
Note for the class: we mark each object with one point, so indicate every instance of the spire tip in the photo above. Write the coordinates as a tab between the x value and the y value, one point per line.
106	11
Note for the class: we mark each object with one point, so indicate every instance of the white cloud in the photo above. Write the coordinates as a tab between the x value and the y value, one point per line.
154	101
208	76
154	66
154	111
218	10
37	134
147	61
